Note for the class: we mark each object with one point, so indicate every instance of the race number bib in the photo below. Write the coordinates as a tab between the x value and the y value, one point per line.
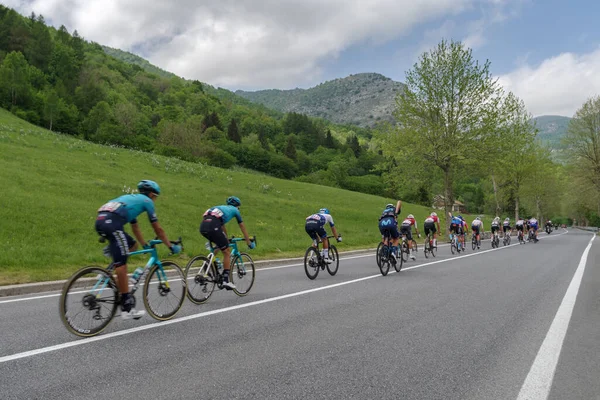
111	206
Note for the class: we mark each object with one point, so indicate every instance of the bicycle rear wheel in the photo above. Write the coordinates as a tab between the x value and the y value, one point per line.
201	279
384	255
242	273
453	248
311	263
508	240
332	267
88	301
426	247
377	253
398	262
405	251
164	290
474	242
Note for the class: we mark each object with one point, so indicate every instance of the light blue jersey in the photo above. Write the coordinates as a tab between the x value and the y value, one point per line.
226	213
129	206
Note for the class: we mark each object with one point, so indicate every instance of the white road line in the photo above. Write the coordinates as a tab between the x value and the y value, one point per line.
66	345
538	383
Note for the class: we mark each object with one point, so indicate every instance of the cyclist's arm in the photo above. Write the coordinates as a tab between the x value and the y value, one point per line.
161	234
137	232
398	207
335	232
244	232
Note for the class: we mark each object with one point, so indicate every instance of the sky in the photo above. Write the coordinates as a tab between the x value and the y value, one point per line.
546	52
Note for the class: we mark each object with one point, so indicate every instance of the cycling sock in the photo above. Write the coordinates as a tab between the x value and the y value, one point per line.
434	242
226	275
126	302
325	253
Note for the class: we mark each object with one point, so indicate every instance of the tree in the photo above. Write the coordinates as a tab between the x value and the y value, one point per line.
14	77
52	106
232	132
446	112
290	148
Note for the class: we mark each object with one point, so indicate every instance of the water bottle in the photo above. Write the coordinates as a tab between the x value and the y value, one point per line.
136	275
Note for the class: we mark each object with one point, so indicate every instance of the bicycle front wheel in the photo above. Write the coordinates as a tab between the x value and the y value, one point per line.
164	290
332	267
311	263
88	301
201	278
242	273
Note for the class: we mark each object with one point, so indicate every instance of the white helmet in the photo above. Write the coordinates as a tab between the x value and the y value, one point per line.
497	219
410	216
478	218
507	219
433	214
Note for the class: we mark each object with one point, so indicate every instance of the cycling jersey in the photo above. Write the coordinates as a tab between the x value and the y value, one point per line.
225	213
129	206
434	219
506	223
409	222
388	213
477	223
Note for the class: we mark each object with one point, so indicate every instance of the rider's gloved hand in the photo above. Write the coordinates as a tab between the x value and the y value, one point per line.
146	246
419	235
251	245
175	249
339	238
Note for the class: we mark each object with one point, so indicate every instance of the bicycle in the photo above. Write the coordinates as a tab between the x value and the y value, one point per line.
428	247
405	251
520	237
475	243
531	236
313	261
203	273
384	256
97	292
495	240
506	239
455	246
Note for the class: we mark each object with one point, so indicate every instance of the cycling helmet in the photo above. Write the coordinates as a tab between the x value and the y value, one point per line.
410	216
478	218
497	219
433	214
147	186
233	201
460	217
390	205
324	211
507	219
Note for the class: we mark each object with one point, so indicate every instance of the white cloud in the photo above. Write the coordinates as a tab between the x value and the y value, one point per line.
251	43
559	85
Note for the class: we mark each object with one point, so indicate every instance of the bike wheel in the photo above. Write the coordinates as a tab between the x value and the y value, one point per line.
88	301
384	255
432	249
474	243
164	290
508	240
397	262
311	263
405	251
415	245
378	253
426	248
201	279
242	273
453	248
332	268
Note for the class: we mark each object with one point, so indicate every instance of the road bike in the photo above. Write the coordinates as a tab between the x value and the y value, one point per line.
506	239
89	299
385	257
428	247
203	273
520	237
495	240
548	229
405	250
531	236
455	245
314	261
475	243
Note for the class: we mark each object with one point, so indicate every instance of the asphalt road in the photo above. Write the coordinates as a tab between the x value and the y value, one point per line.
488	325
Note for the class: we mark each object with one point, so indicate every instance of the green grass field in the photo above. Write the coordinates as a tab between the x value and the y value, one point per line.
53	184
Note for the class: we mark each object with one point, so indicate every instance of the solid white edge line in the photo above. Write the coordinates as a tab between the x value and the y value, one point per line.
538	382
61	346
260	269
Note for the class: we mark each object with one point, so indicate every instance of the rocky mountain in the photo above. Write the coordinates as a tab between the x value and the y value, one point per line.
360	99
552	128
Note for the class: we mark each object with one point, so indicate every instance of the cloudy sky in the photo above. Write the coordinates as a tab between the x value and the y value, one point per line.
547	52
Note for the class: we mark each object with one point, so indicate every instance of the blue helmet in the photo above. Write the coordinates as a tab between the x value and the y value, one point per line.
461	217
233	201
147	186
324	211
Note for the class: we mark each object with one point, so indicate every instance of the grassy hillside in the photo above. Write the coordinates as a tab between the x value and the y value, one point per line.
53	185
360	99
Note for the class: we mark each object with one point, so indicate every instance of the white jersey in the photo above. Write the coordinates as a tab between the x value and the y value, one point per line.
506	223
495	222
477	223
520	222
533	221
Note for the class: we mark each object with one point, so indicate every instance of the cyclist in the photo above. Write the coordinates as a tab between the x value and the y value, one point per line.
213	228
549	226
506	226
520	225
110	222
430	226
315	227
477	228
388	222
533	226
458	227
406	230
495	227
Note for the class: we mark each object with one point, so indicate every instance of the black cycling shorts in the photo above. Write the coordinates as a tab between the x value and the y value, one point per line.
495	228
429	227
406	230
475	229
390	225
211	228
519	228
110	226
457	229
505	228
